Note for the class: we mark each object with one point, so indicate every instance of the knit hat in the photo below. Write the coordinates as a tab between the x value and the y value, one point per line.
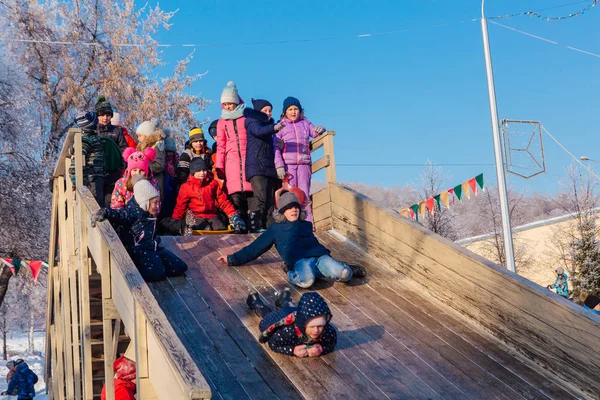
212	129
230	94
198	164
143	192
146	128
291	101
287	201
259	104
103	107
196	134
116	119
170	144
86	120
560	270
138	159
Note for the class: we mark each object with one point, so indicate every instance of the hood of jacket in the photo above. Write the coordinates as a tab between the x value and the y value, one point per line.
260	116
311	305
22	368
151	140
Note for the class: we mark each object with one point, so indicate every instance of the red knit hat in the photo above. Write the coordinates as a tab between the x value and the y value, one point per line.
138	159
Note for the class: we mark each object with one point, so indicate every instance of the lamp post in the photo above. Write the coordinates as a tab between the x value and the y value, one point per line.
509	253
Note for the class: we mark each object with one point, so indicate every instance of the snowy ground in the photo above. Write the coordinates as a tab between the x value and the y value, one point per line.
17	348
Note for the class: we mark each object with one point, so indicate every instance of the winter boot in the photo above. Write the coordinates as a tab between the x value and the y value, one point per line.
255	303
284	299
256	225
358	271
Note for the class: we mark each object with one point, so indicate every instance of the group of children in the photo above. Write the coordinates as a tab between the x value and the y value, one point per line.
232	184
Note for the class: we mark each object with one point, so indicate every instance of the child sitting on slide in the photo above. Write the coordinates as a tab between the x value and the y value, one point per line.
305	259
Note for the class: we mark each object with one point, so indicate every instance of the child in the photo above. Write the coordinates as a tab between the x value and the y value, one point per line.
231	149
93	155
124	380
105	113
150	136
592	303
23	381
195	147
11	371
302	331
153	261
561	285
137	164
212	131
203	196
171	183
260	162
298	247
116	121
295	155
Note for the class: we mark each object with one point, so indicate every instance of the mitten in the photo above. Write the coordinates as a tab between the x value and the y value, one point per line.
320	130
280	144
278	126
237	223
281	173
100	215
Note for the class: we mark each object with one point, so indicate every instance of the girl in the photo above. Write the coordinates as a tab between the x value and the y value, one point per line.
154	262
137	164
195	147
294	158
260	164
150	136
231	149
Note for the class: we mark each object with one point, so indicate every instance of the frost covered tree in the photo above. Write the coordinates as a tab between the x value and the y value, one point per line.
71	51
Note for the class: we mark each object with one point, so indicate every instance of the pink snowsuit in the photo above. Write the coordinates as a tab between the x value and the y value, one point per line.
295	157
231	154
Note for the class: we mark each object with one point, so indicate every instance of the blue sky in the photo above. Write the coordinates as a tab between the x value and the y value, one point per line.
408	97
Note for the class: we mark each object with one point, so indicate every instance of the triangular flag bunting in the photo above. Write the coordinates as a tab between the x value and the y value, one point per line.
404	212
437	201
17	264
35	266
422	208
430	205
465	189
473	185
458	191
415	210
445	199
8	262
479	180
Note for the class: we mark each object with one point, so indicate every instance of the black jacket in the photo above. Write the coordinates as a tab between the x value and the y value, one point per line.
260	152
285	338
139	226
115	133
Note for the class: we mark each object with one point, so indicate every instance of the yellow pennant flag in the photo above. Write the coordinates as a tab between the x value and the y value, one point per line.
445	199
404	212
465	189
422	209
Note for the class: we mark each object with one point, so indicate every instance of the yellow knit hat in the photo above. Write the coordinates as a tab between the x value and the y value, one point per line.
196	134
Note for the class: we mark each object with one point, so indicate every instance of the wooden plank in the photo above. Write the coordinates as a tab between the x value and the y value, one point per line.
49	345
163	377
58	338
147	389
330	172
109	310
141	342
321	213
443	269
84	299
116	337
60	170
320	164
319	141
320	198
324	224
107	340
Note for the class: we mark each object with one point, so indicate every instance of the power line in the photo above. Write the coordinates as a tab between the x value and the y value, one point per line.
412	165
544	17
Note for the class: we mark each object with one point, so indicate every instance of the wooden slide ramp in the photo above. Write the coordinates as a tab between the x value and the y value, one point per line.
394	340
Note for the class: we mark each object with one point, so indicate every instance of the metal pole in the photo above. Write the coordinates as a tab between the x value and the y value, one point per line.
506	230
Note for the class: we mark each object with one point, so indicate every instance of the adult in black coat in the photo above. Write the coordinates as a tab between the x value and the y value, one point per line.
260	162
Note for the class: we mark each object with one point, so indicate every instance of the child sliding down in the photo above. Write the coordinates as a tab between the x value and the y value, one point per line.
154	262
301	331
306	258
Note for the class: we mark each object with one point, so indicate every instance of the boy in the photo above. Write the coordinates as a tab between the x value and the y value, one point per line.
561	285
194	148
299	248
302	331
203	196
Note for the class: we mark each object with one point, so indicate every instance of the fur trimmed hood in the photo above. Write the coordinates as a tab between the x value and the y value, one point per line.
151	140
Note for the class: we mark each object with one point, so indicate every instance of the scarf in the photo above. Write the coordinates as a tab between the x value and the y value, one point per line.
238	112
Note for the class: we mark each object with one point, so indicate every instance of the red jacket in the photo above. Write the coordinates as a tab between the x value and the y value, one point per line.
128	138
203	198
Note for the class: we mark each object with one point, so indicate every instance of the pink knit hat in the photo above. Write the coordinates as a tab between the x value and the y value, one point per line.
138	159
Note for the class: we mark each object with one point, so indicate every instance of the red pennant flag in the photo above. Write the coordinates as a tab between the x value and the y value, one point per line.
8	262
473	185
411	213
430	203
35	266
451	193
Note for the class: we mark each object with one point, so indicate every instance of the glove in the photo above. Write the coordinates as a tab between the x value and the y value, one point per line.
220	173
280	144
5	393
319	130
100	215
281	173
237	223
279	126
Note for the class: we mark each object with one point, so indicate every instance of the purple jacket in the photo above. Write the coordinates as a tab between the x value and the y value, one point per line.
296	138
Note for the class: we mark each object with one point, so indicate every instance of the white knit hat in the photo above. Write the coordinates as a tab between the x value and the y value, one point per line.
116	119
143	192
230	94
146	128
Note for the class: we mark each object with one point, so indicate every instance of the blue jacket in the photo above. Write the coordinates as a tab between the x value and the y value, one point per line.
285	338
139	226
23	380
293	240
260	152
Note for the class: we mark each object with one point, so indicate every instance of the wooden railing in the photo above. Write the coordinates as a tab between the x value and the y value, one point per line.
165	369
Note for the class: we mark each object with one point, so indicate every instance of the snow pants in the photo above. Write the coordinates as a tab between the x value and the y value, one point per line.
157	265
300	176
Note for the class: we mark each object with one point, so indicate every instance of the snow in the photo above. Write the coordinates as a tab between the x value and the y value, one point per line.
17	348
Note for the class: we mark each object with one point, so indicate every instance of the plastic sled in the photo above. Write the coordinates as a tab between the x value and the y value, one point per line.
211	232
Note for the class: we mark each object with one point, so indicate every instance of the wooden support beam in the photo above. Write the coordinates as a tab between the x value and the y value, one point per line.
48	362
320	164
59	373
116	336
84	299
330	173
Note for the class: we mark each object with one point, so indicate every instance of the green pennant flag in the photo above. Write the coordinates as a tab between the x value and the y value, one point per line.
479	179
458	191
17	264
415	208
437	201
